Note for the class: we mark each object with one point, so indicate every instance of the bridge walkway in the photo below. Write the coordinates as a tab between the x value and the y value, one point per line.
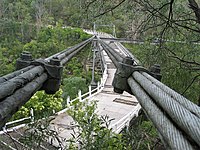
120	107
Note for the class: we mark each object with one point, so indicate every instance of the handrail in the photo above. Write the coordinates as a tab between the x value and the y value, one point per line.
91	93
119	125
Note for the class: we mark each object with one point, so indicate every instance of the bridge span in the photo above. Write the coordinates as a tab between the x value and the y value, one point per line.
176	118
122	108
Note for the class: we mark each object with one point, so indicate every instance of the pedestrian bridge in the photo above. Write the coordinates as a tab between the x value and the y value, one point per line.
176	118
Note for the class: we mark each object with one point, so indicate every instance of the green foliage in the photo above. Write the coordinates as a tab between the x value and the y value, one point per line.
42	104
53	40
141	135
176	74
93	132
72	85
37	133
48	42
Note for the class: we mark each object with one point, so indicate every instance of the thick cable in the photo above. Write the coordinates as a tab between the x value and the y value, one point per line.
14	74
179	98
114	60
8	87
67	51
12	103
187	121
174	138
117	56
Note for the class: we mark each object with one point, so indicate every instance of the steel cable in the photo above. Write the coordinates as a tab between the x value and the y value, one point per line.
67	51
14	74
179	98
114	60
179	114
117	56
174	138
8	87
12	103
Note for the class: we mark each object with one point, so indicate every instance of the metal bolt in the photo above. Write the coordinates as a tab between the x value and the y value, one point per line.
27	56
128	60
155	70
55	61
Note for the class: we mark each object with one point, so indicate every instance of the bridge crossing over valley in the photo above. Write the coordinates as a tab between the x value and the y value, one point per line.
124	89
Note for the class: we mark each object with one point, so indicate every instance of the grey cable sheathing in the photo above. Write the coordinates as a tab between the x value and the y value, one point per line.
67	51
174	138
79	46
20	97
8	87
68	57
179	114
114	60
117	56
14	74
179	98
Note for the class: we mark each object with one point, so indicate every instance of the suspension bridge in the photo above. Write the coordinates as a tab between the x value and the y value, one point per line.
125	88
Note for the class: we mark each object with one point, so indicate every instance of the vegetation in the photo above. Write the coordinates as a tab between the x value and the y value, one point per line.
93	132
42	104
43	28
174	74
160	21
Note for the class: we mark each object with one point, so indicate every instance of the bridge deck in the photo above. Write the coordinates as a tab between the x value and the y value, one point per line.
116	106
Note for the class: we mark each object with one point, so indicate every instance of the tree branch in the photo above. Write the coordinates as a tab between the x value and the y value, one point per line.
110	9
194	6
193	80
186	61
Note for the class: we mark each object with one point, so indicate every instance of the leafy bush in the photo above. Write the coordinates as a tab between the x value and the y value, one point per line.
141	135
93	132
72	85
47	42
42	104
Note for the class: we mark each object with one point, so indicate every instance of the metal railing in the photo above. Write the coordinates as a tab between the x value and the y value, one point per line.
91	92
21	123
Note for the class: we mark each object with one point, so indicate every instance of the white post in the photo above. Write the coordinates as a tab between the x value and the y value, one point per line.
105	70
53	111
32	115
68	100
4	128
101	82
79	95
98	86
90	90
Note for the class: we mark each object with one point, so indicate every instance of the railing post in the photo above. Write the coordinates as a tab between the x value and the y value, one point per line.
101	82
68	100
53	111
90	90
98	86
79	95
4	128
32	115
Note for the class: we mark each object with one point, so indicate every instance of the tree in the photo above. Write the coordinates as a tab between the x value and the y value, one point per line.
173	21
40	11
